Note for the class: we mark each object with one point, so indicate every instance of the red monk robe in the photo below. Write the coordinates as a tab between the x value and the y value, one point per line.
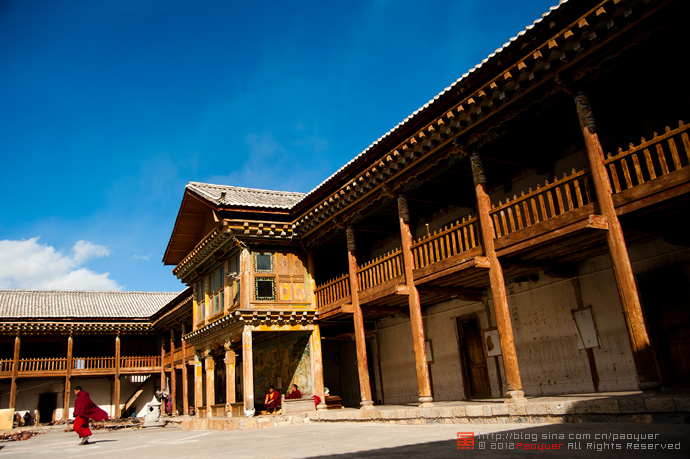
272	400
85	409
293	393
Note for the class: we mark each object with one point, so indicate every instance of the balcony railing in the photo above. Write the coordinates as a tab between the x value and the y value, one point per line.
551	200
333	290
145	361
457	238
649	160
5	365
380	270
661	156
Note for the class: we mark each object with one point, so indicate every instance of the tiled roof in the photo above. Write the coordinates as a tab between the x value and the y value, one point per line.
416	113
64	304
225	195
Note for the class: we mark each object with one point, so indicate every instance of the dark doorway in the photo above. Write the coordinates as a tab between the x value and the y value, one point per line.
47	404
667	310
474	372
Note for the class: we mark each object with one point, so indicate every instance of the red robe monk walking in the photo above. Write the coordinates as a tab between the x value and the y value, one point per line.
85	409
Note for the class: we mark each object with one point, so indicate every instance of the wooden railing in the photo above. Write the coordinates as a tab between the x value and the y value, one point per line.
551	200
50	364
93	363
380	270
662	155
650	159
5	365
140	361
333	290
457	238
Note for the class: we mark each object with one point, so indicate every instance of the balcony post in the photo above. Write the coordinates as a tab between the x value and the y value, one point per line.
162	364
248	370
497	284
416	321
317	365
15	373
230	361
358	319
646	364
116	386
173	375
68	380
185	383
198	383
210	367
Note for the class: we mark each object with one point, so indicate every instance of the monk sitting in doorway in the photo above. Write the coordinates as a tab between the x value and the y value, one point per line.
293	392
272	400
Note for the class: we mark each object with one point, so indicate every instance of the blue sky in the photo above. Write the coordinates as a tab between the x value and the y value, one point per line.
109	108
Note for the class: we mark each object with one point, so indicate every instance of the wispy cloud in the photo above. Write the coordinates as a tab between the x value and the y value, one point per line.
27	264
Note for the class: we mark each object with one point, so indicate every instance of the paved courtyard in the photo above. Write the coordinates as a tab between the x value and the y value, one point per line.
371	440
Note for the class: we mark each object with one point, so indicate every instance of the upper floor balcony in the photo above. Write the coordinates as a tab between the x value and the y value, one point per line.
545	228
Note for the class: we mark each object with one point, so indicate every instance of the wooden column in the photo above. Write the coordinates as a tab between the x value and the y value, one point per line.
248	370
185	383
162	365
317	366
245	278
173	372
68	380
230	361
198	383
311	270
210	367
360	339
116	386
646	364
421	365
15	373
497	282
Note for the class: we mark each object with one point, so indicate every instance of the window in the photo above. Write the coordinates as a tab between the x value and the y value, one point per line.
264	289
263	262
199	297
217	293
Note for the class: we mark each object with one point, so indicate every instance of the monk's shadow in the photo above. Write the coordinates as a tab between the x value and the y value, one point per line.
93	442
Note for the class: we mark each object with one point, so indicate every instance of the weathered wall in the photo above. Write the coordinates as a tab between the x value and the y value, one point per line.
544	330
287	357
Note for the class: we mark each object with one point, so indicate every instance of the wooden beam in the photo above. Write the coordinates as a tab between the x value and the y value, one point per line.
416	321
116	385
247	370
68	380
646	364
497	282
15	373
358	322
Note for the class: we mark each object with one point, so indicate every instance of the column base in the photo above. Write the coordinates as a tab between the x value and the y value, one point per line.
425	401
366	405
649	386
321	406
515	396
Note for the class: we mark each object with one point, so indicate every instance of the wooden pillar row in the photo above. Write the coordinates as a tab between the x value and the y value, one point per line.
173	373
185	383
646	364
210	367
68	380
15	373
230	362
358	319
415	305
248	370
116	385
317	367
198	383
497	284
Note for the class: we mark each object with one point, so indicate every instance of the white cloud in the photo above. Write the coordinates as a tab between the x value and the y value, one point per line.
26	264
